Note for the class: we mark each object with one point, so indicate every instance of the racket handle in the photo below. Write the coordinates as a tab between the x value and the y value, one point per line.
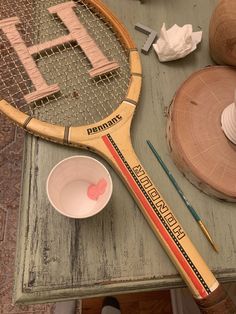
209	295
218	302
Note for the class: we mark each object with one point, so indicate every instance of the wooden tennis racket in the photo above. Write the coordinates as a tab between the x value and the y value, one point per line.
70	73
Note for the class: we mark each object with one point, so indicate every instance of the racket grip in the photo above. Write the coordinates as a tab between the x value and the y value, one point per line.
218	302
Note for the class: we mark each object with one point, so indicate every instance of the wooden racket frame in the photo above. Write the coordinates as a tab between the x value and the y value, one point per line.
107	139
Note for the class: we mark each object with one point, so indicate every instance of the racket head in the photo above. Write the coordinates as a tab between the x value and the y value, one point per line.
82	101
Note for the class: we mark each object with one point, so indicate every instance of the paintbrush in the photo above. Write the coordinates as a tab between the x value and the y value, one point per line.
178	189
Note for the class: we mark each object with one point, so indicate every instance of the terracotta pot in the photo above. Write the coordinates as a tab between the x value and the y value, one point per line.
222	33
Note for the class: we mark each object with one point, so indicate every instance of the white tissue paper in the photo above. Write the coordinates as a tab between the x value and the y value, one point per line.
176	42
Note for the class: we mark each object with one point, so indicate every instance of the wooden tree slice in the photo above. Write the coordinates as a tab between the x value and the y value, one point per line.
197	143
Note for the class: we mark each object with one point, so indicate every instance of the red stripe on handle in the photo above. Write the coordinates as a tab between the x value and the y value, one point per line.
152	215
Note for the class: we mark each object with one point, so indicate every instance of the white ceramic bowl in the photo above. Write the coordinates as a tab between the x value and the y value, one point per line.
79	187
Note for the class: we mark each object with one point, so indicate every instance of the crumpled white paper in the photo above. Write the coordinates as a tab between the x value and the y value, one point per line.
176	42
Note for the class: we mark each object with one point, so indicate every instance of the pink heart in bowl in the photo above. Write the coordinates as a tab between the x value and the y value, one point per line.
95	190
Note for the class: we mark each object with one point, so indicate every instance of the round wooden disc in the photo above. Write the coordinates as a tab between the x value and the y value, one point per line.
197	143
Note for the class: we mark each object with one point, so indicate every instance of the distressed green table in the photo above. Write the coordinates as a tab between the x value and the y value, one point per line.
115	251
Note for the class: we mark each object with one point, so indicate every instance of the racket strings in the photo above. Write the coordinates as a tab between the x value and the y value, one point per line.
81	99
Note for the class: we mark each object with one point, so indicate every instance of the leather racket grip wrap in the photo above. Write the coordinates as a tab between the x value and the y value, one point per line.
218	302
